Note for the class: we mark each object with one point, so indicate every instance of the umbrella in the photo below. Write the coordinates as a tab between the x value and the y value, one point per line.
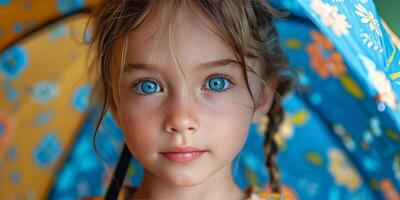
343	122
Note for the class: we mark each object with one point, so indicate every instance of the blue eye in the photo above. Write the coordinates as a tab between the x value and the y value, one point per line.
218	84
147	87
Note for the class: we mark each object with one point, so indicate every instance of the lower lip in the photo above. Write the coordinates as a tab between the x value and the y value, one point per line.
182	157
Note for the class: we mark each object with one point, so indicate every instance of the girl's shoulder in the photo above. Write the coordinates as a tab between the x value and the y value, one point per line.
124	194
253	193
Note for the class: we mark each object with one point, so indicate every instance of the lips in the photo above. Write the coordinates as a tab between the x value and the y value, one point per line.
183	154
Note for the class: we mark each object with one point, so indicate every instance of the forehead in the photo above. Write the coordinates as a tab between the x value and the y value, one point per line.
186	37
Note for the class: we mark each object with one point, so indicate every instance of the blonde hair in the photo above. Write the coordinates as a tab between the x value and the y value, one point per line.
246	26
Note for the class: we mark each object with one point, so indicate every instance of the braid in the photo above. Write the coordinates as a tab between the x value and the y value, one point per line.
276	116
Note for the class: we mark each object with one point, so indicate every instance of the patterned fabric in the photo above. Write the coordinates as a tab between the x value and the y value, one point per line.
19	18
43	89
340	139
253	192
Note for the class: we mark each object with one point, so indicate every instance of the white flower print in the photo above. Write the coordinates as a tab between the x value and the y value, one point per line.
44	91
380	82
371	42
368	18
345	136
330	17
384	87
342	170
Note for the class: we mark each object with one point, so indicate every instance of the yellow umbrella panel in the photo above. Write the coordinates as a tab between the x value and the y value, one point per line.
40	77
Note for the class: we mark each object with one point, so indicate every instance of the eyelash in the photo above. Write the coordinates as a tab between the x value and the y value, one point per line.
136	84
228	79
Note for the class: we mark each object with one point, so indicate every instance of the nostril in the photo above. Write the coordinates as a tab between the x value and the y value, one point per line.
174	130
174	124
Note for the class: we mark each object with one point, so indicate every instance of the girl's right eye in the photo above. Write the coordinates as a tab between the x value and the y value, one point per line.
147	87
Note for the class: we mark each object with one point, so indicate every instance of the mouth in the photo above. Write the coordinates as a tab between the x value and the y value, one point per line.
183	155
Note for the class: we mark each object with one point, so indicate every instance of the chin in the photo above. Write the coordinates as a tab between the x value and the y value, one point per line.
185	180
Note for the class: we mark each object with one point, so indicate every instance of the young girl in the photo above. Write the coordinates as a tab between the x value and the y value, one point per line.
184	79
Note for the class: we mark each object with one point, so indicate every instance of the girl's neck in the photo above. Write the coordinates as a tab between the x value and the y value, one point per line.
219	185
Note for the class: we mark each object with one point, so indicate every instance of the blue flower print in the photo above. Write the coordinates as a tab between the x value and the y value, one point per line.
48	150
12	94
57	32
88	36
15	177
4	2
43	118
67	6
12	153
13	61
80	100
2	128
17	28
44	91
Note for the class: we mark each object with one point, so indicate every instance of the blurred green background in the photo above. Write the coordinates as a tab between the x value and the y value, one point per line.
389	10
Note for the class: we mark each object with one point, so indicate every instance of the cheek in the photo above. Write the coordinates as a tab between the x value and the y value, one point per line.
140	130
230	124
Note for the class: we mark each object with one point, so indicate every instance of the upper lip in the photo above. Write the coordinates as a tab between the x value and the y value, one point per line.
182	150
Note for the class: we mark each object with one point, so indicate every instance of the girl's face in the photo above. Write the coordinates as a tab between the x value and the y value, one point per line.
185	92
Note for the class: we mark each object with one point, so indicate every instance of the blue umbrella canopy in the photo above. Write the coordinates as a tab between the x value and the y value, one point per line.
342	127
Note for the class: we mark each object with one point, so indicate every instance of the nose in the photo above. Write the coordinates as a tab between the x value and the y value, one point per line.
181	117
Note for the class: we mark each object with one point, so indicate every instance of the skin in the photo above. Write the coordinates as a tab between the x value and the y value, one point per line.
185	112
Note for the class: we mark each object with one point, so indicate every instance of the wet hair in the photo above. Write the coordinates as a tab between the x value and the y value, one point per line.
245	25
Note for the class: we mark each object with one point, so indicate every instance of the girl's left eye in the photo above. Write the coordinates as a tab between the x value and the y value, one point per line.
218	84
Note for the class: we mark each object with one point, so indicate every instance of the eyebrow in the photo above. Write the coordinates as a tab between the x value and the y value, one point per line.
210	64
